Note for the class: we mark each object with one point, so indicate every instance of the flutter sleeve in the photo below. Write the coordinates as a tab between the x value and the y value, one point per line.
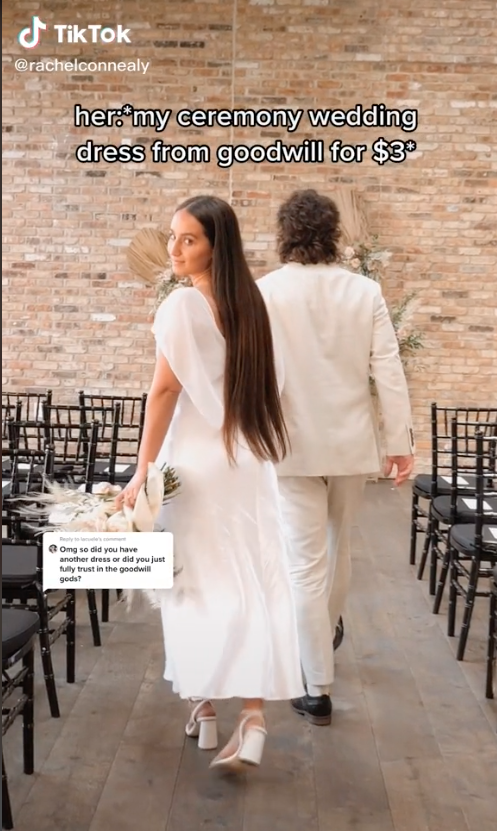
194	349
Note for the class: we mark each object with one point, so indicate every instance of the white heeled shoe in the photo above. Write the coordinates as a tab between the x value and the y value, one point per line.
251	740
202	727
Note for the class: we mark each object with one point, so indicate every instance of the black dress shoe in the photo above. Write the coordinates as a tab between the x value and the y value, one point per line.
315	708
338	634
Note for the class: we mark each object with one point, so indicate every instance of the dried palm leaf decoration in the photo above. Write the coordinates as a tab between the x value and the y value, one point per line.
147	255
353	220
148	258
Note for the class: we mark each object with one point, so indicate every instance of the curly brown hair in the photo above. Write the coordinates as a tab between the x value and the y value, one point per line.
308	228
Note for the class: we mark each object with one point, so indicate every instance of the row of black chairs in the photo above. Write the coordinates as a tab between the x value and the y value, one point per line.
29	406
30	423
95	439
459	516
38	451
22	569
29	610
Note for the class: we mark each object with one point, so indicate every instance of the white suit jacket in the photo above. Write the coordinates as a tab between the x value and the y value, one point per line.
334	330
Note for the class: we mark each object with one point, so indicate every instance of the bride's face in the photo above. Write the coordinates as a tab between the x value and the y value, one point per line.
189	249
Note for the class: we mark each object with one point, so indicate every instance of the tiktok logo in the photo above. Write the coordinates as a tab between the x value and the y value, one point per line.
30	36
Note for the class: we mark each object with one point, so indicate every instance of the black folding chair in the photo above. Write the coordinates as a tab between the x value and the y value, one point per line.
459	507
119	465
30	403
19	629
492	632
76	443
472	548
22	573
20	406
442	478
106	603
9	413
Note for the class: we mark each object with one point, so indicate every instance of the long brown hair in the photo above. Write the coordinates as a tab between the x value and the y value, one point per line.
251	398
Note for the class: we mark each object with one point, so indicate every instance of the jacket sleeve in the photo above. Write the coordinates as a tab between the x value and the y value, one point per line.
391	384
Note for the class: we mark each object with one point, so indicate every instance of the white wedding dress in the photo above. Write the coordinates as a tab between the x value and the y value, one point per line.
229	621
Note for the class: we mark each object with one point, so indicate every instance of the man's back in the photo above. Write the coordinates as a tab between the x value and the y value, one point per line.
334	329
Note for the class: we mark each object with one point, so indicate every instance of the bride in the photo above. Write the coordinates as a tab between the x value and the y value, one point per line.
213	412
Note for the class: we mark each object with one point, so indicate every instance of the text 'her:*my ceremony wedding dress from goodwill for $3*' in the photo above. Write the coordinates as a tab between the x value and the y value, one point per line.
229	621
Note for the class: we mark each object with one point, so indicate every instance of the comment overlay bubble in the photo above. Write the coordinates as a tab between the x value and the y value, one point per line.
94	560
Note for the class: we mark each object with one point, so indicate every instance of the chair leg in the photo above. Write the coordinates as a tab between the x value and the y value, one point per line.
105	605
434	549
46	654
414	530
28	713
426	548
468	609
71	636
7	821
442	579
451	617
92	608
491	647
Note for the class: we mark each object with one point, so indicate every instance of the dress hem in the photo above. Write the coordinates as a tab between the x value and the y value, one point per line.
226	696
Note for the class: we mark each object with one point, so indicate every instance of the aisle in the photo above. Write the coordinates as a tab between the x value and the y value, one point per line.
412	746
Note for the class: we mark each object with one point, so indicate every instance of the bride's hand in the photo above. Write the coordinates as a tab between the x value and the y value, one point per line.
129	495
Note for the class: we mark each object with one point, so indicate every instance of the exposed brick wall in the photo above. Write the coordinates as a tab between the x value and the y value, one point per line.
73	315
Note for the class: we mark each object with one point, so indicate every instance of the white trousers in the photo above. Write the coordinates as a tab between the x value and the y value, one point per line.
318	513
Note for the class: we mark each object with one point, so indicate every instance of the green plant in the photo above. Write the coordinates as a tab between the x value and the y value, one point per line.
370	260
166	283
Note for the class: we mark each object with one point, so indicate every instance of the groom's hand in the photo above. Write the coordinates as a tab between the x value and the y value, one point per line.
404	465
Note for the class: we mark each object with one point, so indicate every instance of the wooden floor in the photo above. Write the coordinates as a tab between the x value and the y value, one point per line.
412	747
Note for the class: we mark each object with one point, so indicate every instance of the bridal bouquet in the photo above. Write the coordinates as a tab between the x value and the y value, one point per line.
166	283
75	510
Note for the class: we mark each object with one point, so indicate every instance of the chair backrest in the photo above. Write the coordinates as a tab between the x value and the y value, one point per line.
9	411
473	447
485	459
74	443
27	438
68	432
32	475
441	437
130	420
25	406
132	407
26	478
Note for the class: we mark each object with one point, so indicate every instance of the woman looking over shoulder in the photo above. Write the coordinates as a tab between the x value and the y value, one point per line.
229	622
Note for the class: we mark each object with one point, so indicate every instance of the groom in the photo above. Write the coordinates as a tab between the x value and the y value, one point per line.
335	332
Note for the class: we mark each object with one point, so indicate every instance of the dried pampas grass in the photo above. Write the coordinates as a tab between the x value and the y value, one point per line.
147	255
353	220
75	510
